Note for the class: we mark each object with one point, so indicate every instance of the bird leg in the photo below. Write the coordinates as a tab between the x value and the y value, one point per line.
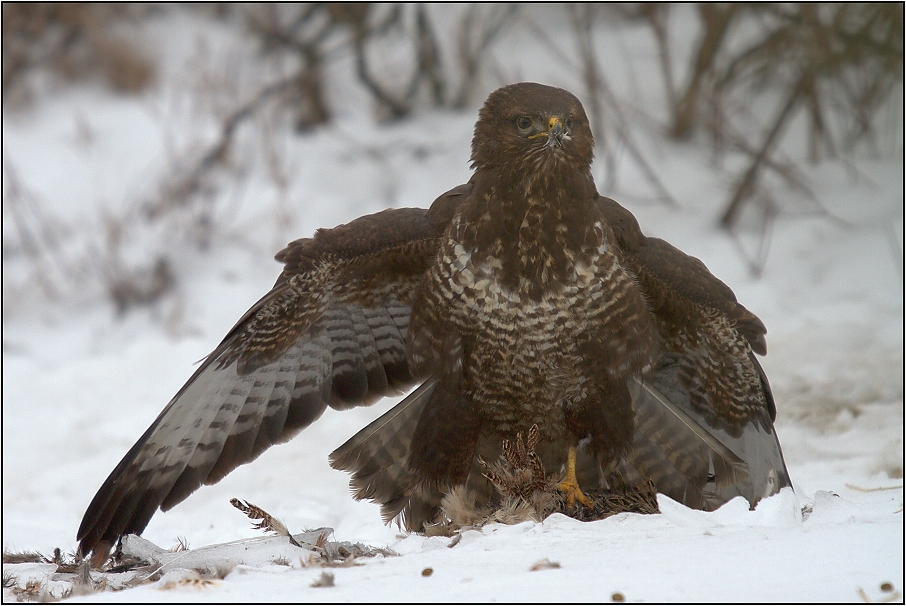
570	485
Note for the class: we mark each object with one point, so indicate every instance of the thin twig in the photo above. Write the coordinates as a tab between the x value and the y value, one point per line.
874	489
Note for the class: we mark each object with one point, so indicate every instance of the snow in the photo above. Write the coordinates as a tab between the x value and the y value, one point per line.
81	382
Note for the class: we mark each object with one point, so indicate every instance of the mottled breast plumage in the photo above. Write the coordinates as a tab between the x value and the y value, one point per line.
527	341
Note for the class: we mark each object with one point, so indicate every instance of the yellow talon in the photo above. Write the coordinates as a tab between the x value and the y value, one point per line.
570	486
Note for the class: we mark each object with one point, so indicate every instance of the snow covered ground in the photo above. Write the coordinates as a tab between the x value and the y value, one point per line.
81	382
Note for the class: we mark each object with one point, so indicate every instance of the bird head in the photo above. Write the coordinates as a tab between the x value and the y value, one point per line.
532	127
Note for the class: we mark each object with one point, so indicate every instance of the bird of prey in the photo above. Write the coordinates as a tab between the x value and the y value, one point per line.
521	298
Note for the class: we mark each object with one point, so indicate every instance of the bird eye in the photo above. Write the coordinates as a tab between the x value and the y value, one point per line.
524	122
569	123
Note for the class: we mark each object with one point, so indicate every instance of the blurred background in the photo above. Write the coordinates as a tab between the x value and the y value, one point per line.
155	157
767	90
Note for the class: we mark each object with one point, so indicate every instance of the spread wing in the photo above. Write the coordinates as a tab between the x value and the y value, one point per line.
704	415
331	332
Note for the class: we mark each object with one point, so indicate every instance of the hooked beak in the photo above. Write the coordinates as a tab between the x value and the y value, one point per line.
555	135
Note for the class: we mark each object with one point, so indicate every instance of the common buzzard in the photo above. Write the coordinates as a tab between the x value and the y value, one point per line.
522	298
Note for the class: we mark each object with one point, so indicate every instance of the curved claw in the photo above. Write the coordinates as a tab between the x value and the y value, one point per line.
572	491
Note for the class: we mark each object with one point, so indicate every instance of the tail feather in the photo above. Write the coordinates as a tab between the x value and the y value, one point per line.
692	462
696	464
378	455
683	440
